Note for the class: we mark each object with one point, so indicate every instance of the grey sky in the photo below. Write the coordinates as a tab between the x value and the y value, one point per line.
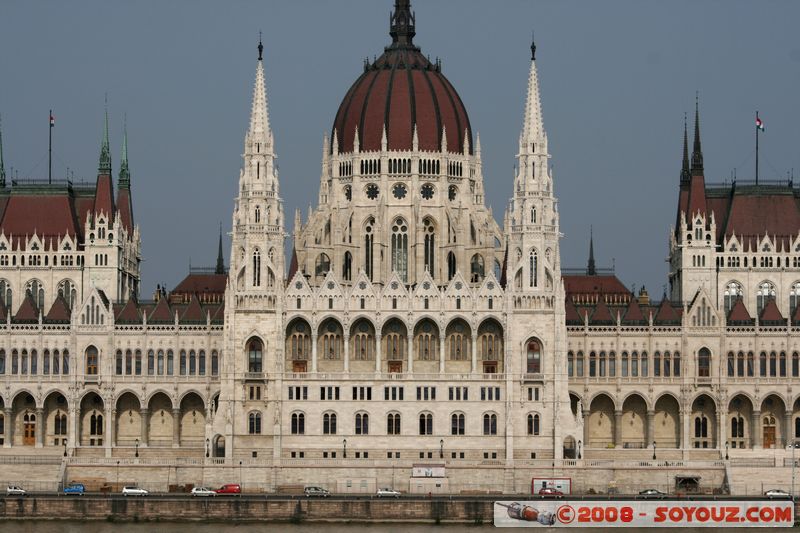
616	79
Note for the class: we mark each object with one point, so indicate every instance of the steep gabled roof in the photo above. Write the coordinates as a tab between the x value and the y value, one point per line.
796	315
161	313
218	315
59	312
194	312
292	265
633	313
602	314
739	314
771	314
129	314
572	315
666	313
27	312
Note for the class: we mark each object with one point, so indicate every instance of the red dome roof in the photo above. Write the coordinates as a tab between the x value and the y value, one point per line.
402	89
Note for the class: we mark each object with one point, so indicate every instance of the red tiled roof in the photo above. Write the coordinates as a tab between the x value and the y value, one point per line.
602	314
586	284
292	265
59	311
754	215
193	312
666	313
739	312
218	315
633	313
129	314
202	283
46	215
27	312
572	315
771	313
104	197
161	313
125	209
697	196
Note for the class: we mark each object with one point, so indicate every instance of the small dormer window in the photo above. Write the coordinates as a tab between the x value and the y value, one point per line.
67	247
765	248
110	237
34	247
734	248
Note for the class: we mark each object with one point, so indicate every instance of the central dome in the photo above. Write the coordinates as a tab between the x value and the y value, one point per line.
401	89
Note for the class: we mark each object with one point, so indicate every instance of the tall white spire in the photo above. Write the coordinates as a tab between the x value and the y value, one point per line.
533	133
259	131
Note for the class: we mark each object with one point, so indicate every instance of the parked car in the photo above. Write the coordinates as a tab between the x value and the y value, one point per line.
652	493
230	488
15	490
134	491
777	493
550	491
203	491
387	493
75	488
316	491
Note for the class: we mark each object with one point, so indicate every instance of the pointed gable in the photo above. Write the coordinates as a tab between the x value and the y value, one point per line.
161	314
771	315
602	314
129	314
193	314
293	264
667	314
633	313
27	312
738	314
572	316
218	315
59	312
104	196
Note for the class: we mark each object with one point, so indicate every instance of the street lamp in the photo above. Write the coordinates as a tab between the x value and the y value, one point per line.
344	448
579	449
240	474
137	448
207	443
117	476
726	450
654	450
65	447
441	448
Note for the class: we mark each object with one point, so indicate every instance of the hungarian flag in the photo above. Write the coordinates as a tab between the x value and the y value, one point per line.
52	120
759	124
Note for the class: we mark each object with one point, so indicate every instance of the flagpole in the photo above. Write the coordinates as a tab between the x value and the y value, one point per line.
50	148
757	128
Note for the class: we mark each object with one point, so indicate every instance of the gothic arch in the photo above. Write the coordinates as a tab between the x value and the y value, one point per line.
128	391
596	395
20	392
640	395
196	392
155	393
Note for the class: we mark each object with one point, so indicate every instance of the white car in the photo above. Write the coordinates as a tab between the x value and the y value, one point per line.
15	490
387	493
134	491
202	491
777	493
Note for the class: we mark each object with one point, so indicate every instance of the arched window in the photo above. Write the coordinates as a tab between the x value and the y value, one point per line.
60	423
451	265
183	362
369	240
579	365
676	364
794	297
624	363
256	268
329	340
192	363
66	289
476	267
426	424
400	248
795	364
257	214
762	364
766	290
592	364
534	357
533	424
533	215
329	424
457	424
151	362
255	350
2	361
160	362
201	365
490	424
128	362
657	364
322	266
733	291
395	341
533	269
362	424
6	294
92	361
214	363
96	425
170	363
782	365
393	424
751	365
298	341
362	337
36	289
298	424
570	364
427	341
704	362
347	266
459	340
731	364
254	426
65	362
430	245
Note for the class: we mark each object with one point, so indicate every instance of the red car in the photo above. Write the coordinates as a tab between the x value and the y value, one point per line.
230	488
550	491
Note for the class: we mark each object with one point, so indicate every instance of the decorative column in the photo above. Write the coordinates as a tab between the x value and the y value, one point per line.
650	430
441	353
74	436
410	350
474	352
176	428
682	429
377	352
39	427
109	440
346	340
787	429
144	430
313	351
9	423
755	429
585	430
617	428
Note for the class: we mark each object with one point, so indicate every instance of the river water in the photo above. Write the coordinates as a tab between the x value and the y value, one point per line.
40	526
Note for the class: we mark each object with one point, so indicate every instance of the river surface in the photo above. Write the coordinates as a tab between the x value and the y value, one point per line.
42	526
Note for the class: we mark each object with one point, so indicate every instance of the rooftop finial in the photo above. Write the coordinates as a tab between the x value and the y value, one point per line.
260	47
402	23
533	47
697	152
105	148
591	270
124	171
685	174
2	165
220	258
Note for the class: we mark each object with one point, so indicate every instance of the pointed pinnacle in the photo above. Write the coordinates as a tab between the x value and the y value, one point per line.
2	164
697	152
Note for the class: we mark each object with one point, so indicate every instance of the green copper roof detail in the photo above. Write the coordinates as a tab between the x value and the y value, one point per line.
124	171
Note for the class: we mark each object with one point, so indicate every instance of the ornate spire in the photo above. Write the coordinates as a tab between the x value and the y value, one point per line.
685	174
124	172
697	152
533	125
402	24
590	268
105	149
2	164
260	47
259	132
533	48
220	258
